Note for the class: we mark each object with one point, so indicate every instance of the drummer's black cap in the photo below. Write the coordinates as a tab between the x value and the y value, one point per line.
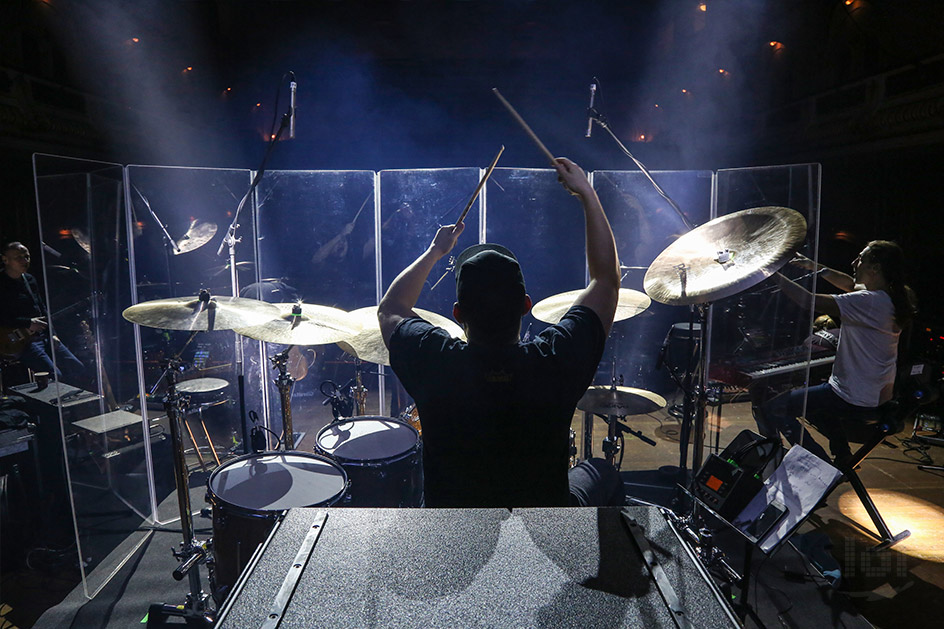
489	281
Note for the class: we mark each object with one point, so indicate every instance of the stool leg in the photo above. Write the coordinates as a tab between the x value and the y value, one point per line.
885	536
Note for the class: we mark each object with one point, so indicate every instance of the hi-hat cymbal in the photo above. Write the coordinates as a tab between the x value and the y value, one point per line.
552	310
192	313
620	401
368	344
313	325
725	256
198	234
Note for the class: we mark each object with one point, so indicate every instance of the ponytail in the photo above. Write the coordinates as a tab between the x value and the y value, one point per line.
891	260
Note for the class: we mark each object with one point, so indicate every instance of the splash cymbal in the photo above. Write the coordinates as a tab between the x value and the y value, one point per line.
368	344
725	256
198	234
552	309
305	324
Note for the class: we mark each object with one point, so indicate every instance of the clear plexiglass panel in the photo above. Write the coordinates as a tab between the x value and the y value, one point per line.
644	224
761	342
179	217
413	205
90	443
315	244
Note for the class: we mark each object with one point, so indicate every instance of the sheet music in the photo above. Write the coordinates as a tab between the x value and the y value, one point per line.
799	483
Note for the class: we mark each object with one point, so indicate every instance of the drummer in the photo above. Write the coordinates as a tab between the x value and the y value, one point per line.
496	411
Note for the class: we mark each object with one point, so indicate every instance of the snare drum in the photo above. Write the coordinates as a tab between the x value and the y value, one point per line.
381	456
248	494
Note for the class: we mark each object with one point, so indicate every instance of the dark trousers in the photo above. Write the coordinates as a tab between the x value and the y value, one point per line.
824	409
71	370
596	483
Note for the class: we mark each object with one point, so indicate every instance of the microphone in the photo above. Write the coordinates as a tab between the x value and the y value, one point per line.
291	122
593	93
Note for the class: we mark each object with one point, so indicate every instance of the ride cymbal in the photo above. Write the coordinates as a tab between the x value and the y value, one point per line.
305	324
620	401
553	308
195	313
368	344
725	256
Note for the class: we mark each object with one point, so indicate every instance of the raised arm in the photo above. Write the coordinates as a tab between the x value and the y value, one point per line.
398	302
825	304
602	292
840	280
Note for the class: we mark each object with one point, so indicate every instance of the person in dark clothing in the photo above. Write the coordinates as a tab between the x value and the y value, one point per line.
496	411
23	320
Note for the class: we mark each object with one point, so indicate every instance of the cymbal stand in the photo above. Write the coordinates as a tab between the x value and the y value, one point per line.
359	391
284	382
611	443
192	552
695	402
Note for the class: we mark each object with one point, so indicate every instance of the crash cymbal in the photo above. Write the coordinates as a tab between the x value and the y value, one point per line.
725	256
368	345
202	385
552	310
191	313
620	401
198	234
312	325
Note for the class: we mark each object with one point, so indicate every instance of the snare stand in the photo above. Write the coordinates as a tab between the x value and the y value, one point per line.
192	552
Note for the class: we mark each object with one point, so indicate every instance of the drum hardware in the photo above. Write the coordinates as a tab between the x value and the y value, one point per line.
203	313
382	458
613	404
249	493
284	382
718	259
191	552
342	404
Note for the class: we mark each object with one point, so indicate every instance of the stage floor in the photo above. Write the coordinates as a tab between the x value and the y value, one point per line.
901	584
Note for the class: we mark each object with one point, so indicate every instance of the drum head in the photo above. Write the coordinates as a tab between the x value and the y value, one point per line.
273	481
367	439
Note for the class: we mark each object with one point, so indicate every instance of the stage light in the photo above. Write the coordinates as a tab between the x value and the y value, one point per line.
684	91
723	72
849	2
901	511
656	105
703	7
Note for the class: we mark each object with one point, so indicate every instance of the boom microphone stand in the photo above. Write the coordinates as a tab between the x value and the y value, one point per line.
229	241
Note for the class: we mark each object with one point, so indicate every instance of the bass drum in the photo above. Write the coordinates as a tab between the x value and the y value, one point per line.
381	456
248	494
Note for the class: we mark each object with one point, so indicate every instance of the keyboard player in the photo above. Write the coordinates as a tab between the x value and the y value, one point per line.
874	306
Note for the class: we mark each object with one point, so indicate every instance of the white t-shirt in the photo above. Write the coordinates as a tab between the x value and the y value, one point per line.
868	347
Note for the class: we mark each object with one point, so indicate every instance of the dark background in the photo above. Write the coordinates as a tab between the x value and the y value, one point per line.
855	85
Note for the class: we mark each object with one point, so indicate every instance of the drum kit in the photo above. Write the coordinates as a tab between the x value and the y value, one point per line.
374	461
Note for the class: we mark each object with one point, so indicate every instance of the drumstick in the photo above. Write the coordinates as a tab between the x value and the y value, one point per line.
478	188
525	126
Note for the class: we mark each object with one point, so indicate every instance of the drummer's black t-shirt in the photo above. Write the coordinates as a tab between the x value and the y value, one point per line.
496	420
